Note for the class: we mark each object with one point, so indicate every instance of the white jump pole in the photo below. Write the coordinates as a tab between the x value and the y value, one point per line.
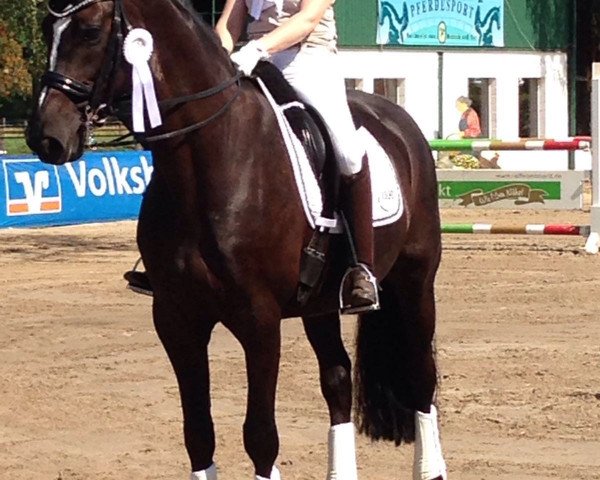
593	242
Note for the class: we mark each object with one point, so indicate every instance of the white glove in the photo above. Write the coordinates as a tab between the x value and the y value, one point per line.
248	56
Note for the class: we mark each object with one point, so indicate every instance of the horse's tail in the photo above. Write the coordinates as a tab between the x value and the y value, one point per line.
395	372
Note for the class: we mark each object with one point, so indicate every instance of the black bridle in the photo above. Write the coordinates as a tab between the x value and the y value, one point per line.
97	101
97	97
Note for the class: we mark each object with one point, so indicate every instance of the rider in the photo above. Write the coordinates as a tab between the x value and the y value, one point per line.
299	37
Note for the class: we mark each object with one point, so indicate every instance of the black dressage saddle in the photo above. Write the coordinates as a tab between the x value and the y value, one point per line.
305	121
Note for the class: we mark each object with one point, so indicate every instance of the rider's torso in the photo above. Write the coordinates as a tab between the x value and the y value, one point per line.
324	35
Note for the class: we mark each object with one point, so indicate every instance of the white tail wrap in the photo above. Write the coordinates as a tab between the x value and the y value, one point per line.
209	474
275	475
429	462
138	48
342	453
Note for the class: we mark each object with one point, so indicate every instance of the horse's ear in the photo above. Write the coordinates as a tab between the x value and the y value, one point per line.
60	6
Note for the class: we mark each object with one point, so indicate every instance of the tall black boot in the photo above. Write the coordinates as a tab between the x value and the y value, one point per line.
359	286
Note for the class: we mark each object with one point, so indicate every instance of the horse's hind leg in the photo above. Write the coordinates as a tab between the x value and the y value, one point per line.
396	370
324	335
185	340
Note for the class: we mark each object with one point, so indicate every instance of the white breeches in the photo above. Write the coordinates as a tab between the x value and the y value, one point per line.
314	74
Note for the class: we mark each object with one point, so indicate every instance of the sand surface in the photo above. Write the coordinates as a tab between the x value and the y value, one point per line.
86	391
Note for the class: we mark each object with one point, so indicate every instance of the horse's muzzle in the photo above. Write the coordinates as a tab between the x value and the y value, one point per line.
49	146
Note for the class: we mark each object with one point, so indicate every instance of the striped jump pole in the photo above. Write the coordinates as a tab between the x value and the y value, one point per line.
528	229
479	144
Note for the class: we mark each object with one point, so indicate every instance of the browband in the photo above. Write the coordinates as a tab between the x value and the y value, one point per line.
70	8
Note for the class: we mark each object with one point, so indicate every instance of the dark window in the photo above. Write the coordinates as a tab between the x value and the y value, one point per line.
210	10
390	88
354	84
528	107
479	92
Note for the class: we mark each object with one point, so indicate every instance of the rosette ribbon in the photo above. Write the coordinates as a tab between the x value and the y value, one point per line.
138	48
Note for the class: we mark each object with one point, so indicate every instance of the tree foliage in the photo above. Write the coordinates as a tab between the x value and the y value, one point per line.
15	79
22	53
23	19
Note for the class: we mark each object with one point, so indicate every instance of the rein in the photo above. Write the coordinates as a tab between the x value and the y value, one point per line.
96	101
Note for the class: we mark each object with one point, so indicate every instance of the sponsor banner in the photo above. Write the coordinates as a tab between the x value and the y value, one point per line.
100	187
451	23
511	190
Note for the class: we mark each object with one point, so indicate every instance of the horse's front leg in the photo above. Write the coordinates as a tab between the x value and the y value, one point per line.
324	335
260	337
185	339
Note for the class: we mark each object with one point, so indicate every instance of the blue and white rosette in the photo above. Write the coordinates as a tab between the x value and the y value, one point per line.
138	48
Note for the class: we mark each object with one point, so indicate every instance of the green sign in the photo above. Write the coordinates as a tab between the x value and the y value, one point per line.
452	23
561	190
479	194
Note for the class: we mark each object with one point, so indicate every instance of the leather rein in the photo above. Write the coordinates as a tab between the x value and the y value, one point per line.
96	101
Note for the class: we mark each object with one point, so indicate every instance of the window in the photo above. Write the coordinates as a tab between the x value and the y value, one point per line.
481	92
390	88
354	84
528	107
209	10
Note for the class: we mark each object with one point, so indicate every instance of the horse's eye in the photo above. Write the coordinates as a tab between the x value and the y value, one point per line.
91	34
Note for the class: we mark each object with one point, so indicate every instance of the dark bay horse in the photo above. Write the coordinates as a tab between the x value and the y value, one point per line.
221	231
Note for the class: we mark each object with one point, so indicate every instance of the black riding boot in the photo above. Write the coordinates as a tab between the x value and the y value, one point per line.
359	286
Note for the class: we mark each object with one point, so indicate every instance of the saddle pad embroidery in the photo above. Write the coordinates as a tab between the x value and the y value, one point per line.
388	204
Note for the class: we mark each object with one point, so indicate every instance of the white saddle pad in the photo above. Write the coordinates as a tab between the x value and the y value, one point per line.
388	204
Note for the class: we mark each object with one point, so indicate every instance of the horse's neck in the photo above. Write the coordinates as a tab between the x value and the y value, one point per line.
187	60
188	57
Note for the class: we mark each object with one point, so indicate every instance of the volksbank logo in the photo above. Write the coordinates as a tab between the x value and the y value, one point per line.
32	188
110	178
35	188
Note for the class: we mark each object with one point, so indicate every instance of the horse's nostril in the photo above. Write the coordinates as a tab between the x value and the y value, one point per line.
51	148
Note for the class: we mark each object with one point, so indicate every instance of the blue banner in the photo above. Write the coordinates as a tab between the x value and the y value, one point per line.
451	23
100	187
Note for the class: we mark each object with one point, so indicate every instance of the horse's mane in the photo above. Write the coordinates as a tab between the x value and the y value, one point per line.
189	7
202	27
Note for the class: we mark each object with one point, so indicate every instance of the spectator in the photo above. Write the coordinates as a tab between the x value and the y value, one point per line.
468	125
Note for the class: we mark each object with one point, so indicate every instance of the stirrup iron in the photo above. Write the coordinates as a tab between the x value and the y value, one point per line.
349	309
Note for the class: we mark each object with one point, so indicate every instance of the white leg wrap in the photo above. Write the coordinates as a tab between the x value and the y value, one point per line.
342	453
209	474
275	475
429	461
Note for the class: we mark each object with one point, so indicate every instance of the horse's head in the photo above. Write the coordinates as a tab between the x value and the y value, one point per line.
84	39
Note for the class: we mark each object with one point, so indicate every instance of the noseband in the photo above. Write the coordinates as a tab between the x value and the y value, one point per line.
97	101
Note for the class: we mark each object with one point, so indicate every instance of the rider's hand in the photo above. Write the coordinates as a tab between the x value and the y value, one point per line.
248	56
